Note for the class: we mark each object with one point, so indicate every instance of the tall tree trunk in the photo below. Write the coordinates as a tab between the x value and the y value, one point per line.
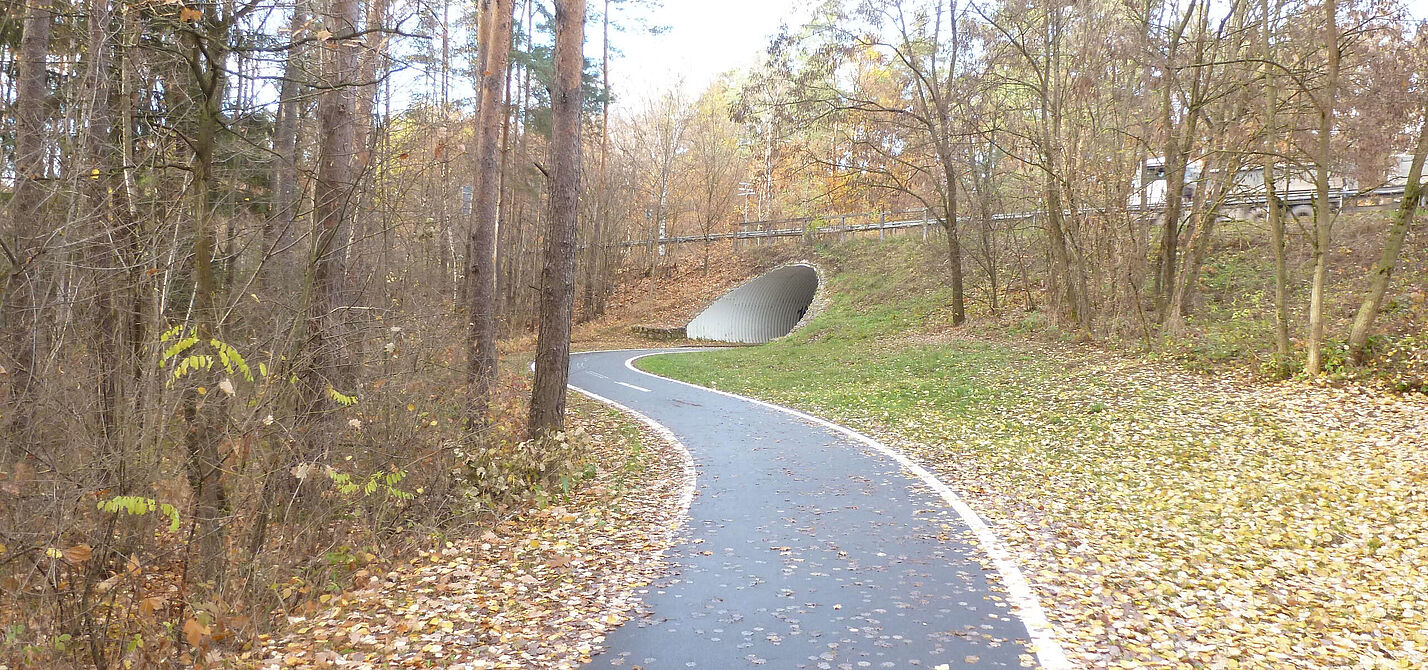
203	412
558	276
505	192
1063	296
1392	245
594	264
1170	222
1273	212
954	244
1203	212
601	254
1323	214
328	369
116	284
1061	288
511	236
1181	140
1177	138
366	131
496	19
283	211
1170	226
19	320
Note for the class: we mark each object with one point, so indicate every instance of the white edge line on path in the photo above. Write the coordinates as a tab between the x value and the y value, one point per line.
1049	653
686	465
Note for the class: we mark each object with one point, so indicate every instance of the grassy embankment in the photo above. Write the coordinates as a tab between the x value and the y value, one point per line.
1166	518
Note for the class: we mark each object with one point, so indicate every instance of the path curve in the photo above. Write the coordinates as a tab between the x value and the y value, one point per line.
810	545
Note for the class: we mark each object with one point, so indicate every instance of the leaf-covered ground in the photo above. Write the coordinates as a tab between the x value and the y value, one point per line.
1166	519
539	590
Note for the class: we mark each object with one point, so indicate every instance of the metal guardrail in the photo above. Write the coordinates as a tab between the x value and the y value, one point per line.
765	229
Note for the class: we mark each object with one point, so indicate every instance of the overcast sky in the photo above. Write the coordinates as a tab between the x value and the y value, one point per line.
705	38
708	37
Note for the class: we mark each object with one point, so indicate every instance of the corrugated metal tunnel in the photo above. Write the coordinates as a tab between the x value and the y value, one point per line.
763	308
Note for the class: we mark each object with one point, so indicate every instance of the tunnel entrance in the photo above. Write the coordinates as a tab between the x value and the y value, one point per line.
763	308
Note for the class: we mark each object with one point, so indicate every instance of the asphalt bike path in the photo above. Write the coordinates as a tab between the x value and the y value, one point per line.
810	546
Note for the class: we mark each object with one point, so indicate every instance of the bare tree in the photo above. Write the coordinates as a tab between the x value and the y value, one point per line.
1032	61
1392	245
206	56
927	45
285	137
594	264
716	163
660	137
1324	215
1274	212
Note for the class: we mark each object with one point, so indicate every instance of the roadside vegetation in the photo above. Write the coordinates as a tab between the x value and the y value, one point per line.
272	273
539	588
1164	516
1231	326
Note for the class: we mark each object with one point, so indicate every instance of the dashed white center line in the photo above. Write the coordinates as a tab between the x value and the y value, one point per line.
637	388
597	374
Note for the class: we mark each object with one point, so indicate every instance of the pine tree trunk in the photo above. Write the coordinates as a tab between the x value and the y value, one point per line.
558	276
283	211
19	321
595	271
328	368
366	133
481	264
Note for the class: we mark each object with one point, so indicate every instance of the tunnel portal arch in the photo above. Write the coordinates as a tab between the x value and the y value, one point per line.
759	310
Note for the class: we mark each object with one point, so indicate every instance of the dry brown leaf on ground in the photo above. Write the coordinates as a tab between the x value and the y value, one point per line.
539	589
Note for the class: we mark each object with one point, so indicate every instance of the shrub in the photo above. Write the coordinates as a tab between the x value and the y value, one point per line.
1400	362
508	471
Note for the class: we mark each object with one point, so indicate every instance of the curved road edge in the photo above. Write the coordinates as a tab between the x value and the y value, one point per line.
686	459
1049	653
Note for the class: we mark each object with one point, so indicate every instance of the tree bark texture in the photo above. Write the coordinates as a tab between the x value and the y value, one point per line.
1273	212
203	412
283	211
1323	213
20	301
558	276
328	368
1392	246
496	19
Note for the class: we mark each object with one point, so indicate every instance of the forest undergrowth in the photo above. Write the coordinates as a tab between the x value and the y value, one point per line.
540	588
536	534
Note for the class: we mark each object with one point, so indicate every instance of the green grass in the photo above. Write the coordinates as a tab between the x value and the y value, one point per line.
854	358
855	363
1162	502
